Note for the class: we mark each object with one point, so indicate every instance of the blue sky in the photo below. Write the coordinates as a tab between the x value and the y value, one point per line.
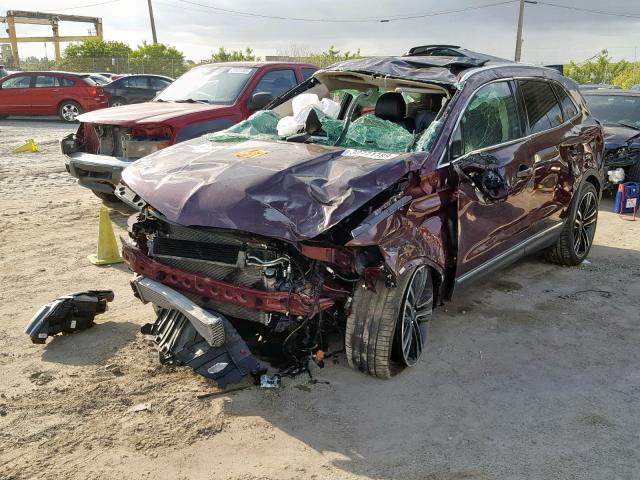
551	35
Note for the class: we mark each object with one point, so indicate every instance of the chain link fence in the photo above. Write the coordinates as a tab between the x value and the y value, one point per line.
171	68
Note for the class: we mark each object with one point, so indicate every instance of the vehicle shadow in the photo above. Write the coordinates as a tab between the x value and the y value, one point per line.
91	346
505	359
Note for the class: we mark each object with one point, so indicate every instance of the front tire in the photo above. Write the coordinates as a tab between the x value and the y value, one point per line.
387	328
575	241
69	110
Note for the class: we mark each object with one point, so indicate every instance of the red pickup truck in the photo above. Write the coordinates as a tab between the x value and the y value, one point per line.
206	99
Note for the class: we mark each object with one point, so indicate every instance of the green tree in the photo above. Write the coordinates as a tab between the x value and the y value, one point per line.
95	48
330	56
603	70
233	55
157	58
95	55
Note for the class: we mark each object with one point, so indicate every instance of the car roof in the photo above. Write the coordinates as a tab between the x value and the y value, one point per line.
255	64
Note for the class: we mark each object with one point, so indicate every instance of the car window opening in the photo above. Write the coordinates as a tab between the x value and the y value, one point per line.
350	111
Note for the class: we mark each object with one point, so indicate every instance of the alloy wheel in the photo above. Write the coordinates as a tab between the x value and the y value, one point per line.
416	312
585	224
70	112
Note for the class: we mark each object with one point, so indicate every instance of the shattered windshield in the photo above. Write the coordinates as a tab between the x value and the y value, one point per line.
213	85
372	119
616	109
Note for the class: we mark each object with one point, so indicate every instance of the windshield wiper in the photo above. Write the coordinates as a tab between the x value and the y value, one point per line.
192	100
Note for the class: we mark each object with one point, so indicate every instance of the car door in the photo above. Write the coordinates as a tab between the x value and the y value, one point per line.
489	153
554	147
15	95
44	94
138	89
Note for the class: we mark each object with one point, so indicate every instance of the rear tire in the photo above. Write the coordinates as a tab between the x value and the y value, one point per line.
380	320
106	197
117	102
68	111
575	241
633	174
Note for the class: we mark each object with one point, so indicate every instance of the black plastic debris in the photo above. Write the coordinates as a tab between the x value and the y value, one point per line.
67	314
180	344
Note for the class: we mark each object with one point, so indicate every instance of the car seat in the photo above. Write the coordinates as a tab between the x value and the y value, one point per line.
392	107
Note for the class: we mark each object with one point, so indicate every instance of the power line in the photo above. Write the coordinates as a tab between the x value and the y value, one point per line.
380	19
87	6
587	10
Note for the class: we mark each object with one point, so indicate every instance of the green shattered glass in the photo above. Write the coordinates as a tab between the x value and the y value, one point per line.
261	125
373	133
331	126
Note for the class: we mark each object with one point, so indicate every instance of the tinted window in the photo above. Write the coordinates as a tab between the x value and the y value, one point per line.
65	82
44	81
569	109
158	83
22	81
276	82
622	109
136	82
307	73
491	118
543	110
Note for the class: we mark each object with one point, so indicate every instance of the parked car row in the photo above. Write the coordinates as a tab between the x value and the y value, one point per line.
430	172
68	95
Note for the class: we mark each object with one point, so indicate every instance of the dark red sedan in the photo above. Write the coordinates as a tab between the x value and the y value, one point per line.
66	95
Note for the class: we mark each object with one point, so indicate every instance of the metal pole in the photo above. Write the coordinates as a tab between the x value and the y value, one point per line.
519	35
153	23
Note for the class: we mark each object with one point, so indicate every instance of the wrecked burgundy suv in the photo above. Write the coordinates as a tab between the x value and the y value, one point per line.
359	210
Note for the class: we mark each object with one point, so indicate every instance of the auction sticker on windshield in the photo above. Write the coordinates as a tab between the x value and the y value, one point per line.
251	153
244	71
354	152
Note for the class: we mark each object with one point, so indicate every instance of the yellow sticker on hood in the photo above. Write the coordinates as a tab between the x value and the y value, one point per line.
251	153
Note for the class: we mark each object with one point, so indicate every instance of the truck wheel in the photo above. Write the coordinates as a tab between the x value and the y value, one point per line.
387	328
575	241
633	174
106	197
68	110
117	102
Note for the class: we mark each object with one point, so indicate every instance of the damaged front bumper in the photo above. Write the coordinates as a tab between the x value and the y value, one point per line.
96	172
186	334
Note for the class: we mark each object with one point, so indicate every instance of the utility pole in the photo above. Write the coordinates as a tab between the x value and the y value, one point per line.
519	36
153	23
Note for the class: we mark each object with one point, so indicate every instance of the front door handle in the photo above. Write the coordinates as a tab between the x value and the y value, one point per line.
524	171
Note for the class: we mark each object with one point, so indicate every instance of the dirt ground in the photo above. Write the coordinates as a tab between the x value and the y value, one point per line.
535	374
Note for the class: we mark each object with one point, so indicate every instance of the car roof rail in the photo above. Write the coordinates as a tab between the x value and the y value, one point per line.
423	49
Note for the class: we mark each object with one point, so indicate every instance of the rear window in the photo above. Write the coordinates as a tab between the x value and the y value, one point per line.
159	83
65	82
45	81
543	110
569	109
135	82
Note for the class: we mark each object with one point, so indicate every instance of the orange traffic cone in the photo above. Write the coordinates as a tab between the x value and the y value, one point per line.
108	252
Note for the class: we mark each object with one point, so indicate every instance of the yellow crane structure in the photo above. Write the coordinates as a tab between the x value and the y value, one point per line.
16	17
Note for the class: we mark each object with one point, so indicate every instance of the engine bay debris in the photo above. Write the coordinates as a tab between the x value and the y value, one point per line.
68	314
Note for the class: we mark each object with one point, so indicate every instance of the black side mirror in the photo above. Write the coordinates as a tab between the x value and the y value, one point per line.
482	171
259	100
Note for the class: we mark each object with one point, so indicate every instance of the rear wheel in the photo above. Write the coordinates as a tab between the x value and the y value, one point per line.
68	110
575	241
117	102
387	328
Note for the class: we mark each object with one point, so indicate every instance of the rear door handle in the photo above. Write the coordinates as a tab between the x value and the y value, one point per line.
524	171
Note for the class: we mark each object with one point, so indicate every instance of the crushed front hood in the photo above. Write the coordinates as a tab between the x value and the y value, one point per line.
618	136
284	190
144	113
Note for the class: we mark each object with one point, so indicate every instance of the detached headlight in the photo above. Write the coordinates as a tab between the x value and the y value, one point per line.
136	147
